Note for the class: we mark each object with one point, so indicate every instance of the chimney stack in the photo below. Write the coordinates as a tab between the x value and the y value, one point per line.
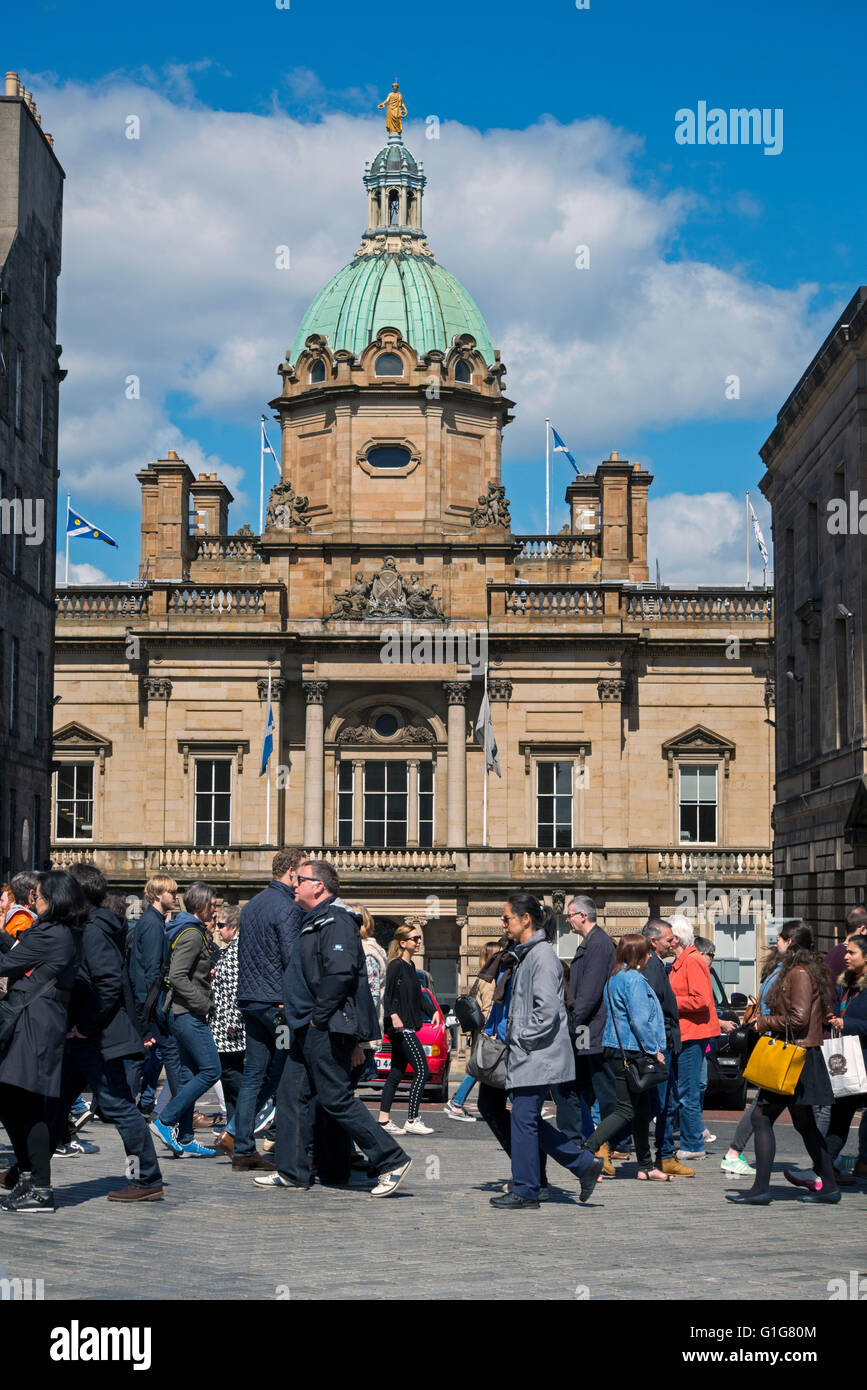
12	84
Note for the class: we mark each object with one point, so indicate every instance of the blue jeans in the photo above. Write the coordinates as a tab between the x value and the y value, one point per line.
463	1090
201	1062
530	1133
663	1109
263	1063
83	1061
691	1083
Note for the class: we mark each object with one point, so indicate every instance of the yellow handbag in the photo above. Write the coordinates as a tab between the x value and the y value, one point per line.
776	1064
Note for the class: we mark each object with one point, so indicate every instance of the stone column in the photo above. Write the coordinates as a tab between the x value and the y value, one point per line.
357	803
314	763
412	804
402	214
456	797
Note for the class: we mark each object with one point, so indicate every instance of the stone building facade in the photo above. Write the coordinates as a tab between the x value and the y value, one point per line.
631	722
816	482
31	201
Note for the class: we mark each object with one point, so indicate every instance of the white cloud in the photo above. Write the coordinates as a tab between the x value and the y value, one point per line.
78	574
700	538
169	273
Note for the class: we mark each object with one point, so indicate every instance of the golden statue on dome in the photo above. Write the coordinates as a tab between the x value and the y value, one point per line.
394	110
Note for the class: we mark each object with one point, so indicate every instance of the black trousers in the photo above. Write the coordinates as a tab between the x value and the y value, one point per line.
231	1074
319	1064
22	1114
83	1062
495	1112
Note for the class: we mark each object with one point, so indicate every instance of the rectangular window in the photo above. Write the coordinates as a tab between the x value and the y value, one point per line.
425	805
37	697
43	419
385	804
12	831
13	684
841	639
17	524
18	412
213	802
74	801
698	805
37	832
46	286
554	805
345	803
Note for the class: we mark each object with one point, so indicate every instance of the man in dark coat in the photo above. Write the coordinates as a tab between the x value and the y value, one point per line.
270	923
146	977
588	974
101	1035
330	1012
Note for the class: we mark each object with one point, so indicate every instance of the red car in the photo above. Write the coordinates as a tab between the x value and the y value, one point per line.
434	1038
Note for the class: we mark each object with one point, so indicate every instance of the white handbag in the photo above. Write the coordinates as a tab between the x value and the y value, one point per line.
844	1059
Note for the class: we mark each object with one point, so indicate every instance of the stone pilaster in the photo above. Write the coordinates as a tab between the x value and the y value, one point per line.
314	763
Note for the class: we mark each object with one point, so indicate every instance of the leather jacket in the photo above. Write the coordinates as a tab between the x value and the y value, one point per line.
799	999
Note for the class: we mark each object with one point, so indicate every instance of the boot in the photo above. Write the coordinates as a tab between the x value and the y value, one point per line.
676	1169
604	1152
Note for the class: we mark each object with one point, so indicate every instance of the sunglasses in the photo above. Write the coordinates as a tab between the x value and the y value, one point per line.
307	878
413	938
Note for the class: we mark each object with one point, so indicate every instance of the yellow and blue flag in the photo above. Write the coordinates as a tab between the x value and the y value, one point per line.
77	526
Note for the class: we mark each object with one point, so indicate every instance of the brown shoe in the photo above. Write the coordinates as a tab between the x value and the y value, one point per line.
245	1163
604	1152
226	1143
201	1121
269	1145
136	1192
676	1169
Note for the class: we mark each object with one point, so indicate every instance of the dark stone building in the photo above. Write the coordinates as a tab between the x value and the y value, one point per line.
31	199
816	459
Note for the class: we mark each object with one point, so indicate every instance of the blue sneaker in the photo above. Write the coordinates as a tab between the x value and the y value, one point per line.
196	1150
79	1106
265	1117
168	1135
83	1146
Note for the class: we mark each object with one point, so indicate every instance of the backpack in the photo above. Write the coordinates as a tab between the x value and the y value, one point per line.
162	981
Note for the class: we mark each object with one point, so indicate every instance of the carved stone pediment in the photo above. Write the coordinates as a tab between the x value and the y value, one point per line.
360	728
386	595
76	738
698	741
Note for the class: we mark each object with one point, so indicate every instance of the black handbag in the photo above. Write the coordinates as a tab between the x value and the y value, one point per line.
642	1072
487	1061
12	1009
468	1013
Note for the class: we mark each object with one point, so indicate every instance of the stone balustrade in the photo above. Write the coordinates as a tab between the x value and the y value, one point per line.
701	605
93	602
226	548
551	601
565	547
240	601
716	863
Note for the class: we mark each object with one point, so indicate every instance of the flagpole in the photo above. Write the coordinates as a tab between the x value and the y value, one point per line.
261	472
748	538
270	760
485	772
68	505
547	493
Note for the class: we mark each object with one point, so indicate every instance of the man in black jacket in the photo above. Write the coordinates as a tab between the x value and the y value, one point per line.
663	1099
145	975
330	1012
270	923
101	1035
588	975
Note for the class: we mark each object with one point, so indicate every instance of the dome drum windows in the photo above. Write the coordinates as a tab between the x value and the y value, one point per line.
388	364
317	373
463	372
388	458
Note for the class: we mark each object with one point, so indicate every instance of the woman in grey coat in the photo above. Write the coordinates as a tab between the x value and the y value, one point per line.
538	1055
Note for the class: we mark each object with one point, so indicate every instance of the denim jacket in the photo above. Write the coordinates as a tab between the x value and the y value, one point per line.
637	1012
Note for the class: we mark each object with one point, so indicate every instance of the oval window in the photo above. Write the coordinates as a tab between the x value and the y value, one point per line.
462	372
386	725
389	456
317	373
389	364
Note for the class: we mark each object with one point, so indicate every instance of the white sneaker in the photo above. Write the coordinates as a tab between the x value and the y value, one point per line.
389	1182
455	1112
708	1137
738	1167
417	1127
548	1113
683	1155
391	1128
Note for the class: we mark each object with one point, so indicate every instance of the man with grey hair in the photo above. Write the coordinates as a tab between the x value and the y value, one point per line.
663	1099
588	975
690	979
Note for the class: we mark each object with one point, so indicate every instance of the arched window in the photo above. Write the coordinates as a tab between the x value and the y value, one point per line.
389	364
389	456
317	373
462	372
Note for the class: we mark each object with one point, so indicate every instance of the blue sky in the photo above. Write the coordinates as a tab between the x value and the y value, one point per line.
559	122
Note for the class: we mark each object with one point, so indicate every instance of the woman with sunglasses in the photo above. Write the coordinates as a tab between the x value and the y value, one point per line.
404	1007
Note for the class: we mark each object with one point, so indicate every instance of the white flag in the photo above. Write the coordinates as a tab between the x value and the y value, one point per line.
484	737
760	540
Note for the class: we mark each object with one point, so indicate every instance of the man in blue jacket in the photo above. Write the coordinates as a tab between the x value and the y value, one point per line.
101	1035
270	923
330	1012
146	978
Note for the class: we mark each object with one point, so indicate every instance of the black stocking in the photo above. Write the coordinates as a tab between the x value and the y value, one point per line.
764	1142
805	1123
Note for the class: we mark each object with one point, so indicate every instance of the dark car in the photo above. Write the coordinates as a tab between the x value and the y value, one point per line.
725	1082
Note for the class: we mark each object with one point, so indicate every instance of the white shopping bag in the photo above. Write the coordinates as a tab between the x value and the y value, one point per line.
844	1059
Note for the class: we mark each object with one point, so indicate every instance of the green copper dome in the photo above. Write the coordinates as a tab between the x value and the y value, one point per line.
392	289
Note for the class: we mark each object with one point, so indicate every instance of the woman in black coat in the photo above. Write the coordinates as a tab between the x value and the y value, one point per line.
46	956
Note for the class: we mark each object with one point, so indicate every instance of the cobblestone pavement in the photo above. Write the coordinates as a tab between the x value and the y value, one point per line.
217	1235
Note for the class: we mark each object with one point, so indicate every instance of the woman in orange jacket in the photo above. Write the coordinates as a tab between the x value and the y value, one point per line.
690	980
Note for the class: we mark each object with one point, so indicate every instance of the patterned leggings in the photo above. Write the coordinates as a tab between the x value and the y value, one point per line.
406	1050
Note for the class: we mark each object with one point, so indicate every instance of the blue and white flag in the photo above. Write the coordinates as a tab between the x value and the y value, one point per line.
77	526
484	737
760	540
560	447
266	446
268	741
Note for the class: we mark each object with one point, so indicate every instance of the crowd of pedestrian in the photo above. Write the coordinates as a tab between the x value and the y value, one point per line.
280	1006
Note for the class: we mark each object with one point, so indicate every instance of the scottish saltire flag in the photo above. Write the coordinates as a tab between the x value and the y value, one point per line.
484	737
560	447
266	446
77	526
760	540
268	741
